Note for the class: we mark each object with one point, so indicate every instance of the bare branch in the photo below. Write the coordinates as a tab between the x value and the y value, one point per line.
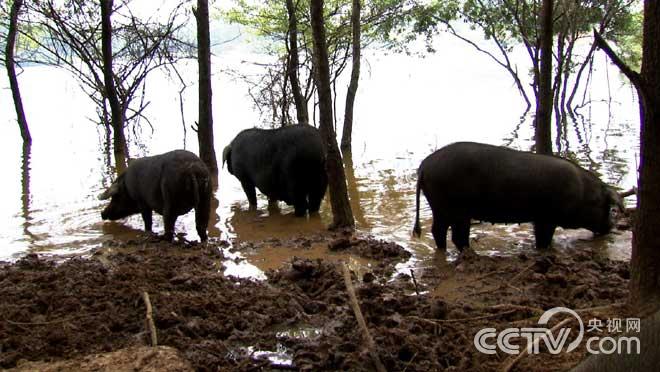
634	77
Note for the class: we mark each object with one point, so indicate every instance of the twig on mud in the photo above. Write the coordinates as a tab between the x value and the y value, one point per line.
585	310
438	321
412	274
150	319
507	367
496	272
535	310
600	308
371	345
502	285
322	290
520	273
409	362
515	277
484	291
38	323
56	321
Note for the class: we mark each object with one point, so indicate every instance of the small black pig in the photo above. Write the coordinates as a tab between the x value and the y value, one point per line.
171	184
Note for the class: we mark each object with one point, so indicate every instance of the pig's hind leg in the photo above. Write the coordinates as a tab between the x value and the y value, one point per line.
148	220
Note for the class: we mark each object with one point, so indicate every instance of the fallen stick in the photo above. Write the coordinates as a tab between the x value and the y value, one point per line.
496	272
489	290
440	321
412	274
56	321
601	308
371	345
150	319
409	362
536	310
522	272
507	367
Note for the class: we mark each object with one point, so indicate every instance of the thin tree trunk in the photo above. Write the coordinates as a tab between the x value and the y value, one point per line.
557	88
347	133
117	119
543	120
299	100
645	260
284	106
11	71
205	124
26	197
341	208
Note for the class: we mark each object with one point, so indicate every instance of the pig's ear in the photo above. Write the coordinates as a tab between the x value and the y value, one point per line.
110	192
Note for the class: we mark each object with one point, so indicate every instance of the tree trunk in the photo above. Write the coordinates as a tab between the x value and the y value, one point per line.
299	100
645	260
341	208
117	119
543	120
26	198
347	133
205	124
11	71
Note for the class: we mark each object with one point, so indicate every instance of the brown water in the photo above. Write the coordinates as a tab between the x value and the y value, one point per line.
48	194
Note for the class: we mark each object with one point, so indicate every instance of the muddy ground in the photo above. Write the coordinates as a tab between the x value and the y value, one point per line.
52	311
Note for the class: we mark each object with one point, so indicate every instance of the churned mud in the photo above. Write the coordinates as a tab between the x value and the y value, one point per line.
299	317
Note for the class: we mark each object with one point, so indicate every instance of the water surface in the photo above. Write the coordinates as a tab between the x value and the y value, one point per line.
405	109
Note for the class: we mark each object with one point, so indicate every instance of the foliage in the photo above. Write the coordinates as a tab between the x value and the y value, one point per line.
24	45
629	40
67	34
506	24
268	20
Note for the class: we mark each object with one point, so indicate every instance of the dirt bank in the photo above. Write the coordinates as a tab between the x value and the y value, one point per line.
299	318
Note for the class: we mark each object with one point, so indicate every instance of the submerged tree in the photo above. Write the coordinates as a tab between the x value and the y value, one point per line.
293	64
70	36
116	115
205	124
278	23
347	133
507	24
341	208
543	120
645	261
10	63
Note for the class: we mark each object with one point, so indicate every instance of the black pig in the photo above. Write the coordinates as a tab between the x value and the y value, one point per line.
171	184
286	164
468	180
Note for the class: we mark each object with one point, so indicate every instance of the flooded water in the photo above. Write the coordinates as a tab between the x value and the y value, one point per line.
48	192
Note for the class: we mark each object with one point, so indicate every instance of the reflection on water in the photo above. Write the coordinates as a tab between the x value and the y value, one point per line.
214	219
49	191
261	224
353	191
